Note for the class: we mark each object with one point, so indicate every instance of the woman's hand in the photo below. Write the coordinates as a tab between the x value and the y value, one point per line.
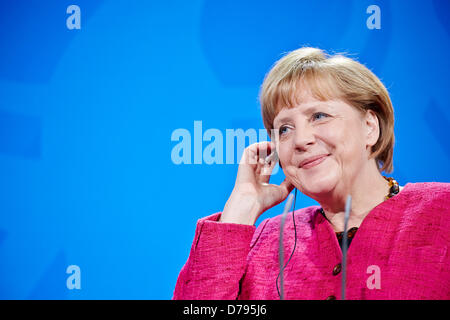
252	194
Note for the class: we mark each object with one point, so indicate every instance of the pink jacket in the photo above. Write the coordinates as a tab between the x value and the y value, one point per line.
401	251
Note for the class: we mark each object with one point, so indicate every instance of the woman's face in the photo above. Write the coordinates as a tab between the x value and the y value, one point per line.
333	132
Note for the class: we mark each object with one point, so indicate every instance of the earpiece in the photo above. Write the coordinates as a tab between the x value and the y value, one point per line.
273	157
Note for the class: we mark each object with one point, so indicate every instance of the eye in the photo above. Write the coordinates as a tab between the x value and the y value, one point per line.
319	115
283	130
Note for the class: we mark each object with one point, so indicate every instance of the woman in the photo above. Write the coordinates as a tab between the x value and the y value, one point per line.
332	125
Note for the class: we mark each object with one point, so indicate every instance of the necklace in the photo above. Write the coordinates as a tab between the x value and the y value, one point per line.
393	187
393	190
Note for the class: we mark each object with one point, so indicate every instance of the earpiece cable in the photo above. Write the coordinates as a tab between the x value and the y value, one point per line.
280	276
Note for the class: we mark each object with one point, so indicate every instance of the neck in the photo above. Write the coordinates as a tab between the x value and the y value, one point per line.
368	190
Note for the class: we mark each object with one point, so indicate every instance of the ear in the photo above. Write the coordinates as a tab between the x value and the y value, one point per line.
372	127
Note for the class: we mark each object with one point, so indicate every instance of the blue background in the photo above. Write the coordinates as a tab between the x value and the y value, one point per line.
86	118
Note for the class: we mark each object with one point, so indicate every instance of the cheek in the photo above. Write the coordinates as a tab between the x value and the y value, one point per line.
284	151
329	139
330	136
347	143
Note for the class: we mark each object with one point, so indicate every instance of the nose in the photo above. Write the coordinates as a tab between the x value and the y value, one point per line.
304	137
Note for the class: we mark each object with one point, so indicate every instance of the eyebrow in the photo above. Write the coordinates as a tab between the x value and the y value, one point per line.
306	111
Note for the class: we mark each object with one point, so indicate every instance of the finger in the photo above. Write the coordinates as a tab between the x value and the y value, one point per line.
266	169
286	187
264	148
249	157
272	157
276	194
256	151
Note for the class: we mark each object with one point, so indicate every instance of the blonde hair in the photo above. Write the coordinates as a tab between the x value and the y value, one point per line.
330	77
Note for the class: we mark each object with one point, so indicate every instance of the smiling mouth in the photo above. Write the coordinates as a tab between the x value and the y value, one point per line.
314	162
